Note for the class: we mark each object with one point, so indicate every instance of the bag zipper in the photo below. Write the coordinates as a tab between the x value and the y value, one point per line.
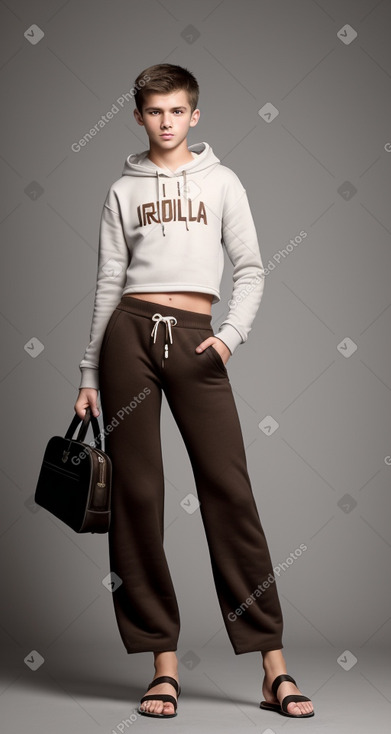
100	496
102	474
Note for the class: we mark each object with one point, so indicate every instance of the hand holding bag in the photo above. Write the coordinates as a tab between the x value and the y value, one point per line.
74	482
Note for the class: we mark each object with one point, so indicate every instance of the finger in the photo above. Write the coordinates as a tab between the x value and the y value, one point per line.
204	344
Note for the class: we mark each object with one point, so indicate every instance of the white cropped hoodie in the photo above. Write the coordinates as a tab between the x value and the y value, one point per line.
164	230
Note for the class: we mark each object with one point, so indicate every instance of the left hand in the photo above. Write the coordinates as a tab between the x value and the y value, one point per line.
218	345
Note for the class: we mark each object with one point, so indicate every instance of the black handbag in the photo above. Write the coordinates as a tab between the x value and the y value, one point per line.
74	482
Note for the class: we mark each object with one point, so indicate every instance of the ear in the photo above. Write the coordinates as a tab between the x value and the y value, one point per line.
138	117
194	118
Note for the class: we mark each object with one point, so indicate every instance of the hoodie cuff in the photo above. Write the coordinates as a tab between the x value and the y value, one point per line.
230	336
89	378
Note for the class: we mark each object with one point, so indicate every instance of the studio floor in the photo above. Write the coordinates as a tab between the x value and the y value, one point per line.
87	689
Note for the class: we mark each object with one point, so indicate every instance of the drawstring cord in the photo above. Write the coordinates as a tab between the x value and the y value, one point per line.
168	320
185	190
180	198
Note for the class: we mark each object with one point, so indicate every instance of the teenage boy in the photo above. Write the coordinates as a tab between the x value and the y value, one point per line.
163	228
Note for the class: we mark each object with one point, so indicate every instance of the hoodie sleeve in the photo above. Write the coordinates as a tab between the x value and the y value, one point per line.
240	240
113	260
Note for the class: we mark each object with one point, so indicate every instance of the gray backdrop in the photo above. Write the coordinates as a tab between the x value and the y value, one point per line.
295	98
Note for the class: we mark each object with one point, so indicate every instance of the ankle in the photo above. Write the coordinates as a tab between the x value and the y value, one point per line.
273	662
166	663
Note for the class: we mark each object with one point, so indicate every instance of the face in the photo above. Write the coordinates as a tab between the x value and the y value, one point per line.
167	118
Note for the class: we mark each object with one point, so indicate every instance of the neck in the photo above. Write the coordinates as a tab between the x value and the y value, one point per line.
171	159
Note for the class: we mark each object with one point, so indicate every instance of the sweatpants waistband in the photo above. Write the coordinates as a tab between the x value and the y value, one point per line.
185	318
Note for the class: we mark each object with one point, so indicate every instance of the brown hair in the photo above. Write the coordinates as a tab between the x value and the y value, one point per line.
164	79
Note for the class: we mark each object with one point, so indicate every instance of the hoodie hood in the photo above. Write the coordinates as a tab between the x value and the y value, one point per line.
138	164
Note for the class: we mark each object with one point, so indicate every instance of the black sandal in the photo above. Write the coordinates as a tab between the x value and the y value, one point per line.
283	707
161	697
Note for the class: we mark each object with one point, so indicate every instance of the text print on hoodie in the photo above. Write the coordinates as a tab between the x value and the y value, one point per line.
164	230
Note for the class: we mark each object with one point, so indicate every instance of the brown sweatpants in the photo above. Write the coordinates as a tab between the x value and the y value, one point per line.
135	366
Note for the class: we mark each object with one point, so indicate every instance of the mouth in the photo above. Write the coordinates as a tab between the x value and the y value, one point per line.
166	136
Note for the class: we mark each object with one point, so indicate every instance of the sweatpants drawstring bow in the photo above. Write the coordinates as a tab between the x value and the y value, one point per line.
168	320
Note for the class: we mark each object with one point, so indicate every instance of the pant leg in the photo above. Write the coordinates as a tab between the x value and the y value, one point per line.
130	395
200	396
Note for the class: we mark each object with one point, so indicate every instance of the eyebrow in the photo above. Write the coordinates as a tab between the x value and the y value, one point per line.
179	107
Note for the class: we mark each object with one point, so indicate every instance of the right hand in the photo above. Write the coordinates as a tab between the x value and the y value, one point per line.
88	396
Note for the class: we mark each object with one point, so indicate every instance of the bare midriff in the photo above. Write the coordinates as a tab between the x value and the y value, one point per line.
191	301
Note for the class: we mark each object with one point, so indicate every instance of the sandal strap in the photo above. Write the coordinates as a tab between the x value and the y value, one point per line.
160	697
281	679
288	699
165	679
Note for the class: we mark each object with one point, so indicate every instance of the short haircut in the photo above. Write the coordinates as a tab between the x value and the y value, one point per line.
164	79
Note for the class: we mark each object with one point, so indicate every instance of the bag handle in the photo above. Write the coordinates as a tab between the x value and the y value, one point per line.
88	418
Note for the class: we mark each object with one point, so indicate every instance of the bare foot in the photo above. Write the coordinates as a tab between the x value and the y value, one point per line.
274	665
166	663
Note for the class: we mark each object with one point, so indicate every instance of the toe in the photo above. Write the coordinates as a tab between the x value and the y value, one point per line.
294	709
299	707
157	706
